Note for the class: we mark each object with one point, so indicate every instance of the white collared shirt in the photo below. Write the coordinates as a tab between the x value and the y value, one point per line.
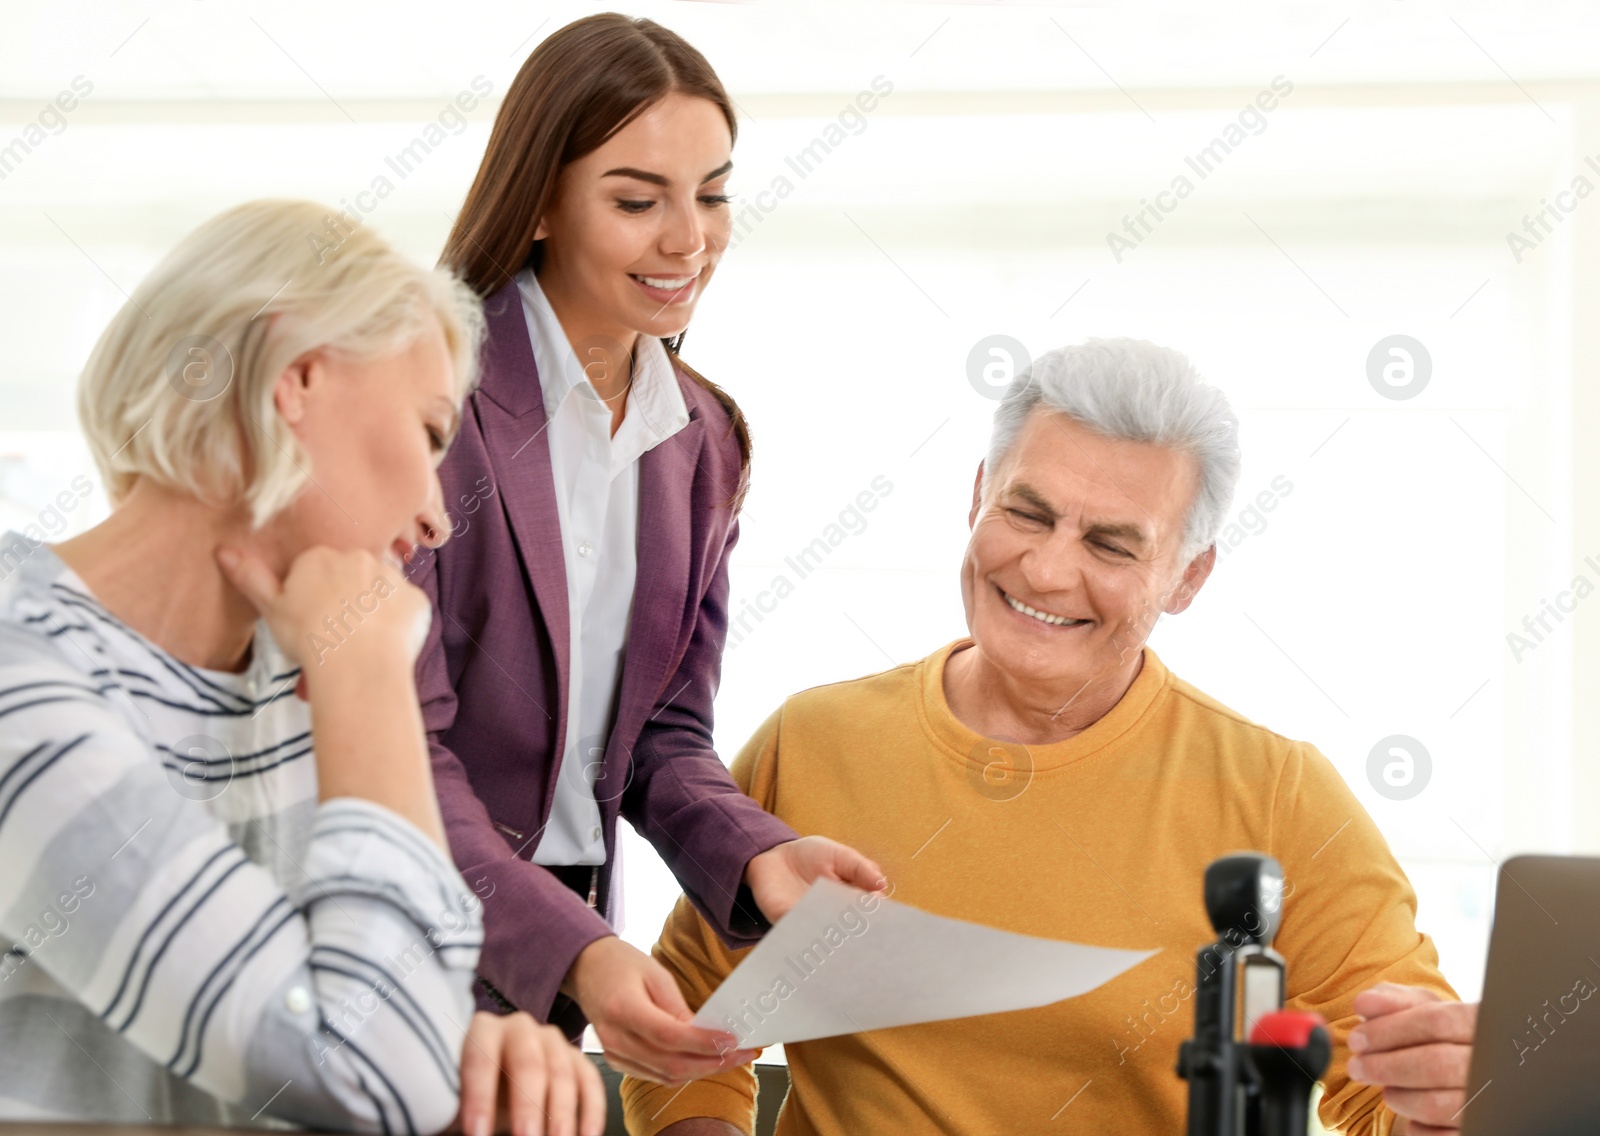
597	500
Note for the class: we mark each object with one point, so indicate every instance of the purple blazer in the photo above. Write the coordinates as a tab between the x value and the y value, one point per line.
493	678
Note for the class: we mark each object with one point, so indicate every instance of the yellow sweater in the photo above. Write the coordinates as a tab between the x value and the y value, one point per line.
1104	841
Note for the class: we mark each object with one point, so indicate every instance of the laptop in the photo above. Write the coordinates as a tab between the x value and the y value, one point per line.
1536	1054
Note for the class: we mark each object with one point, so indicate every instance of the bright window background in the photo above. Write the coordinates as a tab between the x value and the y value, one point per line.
1376	597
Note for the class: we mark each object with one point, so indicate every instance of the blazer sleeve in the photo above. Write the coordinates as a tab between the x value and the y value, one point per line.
694	957
534	926
681	797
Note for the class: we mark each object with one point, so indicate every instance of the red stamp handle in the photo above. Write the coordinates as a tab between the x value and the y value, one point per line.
1287	1029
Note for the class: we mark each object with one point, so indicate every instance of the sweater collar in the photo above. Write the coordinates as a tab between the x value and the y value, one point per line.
1002	768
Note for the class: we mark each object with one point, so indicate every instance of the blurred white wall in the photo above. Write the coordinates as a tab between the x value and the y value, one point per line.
1408	536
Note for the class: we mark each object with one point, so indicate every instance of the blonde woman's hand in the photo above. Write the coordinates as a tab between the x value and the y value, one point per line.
354	626
333	608
527	1079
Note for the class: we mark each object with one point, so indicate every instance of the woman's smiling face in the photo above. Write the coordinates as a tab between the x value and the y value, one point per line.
637	226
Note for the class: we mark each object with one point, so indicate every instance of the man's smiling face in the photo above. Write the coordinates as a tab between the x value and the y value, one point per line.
1074	552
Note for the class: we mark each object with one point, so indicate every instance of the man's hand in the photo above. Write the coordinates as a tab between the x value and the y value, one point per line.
641	1018
1418	1047
521	1077
779	876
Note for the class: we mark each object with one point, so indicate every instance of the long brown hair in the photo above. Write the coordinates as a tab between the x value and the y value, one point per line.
580	86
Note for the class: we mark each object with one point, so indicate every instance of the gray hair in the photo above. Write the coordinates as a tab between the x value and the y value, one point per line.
1139	392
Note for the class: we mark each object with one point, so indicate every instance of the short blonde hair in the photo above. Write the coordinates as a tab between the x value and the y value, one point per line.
179	387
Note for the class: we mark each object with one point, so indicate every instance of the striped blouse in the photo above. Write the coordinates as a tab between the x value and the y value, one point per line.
193	938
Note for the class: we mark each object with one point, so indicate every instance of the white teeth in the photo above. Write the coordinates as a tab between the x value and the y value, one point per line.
1043	617
670	283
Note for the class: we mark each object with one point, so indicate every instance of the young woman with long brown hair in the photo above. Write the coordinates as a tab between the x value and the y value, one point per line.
593	493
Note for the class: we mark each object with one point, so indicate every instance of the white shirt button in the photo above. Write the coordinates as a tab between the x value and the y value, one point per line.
596	834
298	999
585	548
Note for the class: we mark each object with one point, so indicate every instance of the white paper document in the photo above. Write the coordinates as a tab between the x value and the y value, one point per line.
844	960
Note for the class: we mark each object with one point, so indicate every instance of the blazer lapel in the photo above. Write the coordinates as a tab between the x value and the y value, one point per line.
666	539
519	451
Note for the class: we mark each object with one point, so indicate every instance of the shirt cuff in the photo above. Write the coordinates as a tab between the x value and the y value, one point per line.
359	847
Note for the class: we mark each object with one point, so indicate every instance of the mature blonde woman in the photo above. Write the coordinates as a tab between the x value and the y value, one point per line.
226	878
